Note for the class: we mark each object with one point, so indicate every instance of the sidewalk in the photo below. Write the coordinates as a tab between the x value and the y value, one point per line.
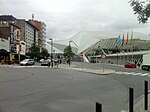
88	70
139	105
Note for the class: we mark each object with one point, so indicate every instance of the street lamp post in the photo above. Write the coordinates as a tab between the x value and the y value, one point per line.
51	51
69	61
69	52
73	42
54	54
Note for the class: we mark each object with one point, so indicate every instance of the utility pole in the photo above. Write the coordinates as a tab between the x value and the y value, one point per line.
19	52
51	51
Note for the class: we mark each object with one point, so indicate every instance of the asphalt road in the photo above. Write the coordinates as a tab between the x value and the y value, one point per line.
58	90
129	77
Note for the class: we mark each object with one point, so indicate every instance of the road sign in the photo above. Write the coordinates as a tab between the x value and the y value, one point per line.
103	56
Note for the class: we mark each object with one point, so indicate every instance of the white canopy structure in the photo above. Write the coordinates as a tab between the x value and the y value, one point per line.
89	41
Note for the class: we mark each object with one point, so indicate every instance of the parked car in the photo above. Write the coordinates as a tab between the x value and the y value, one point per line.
27	62
41	60
45	62
130	65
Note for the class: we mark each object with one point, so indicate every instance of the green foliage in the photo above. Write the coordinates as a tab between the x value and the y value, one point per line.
142	9
44	53
34	51
68	54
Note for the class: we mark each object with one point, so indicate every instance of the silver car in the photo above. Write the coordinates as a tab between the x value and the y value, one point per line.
27	62
46	62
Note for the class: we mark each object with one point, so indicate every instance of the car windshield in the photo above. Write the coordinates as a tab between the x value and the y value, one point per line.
25	60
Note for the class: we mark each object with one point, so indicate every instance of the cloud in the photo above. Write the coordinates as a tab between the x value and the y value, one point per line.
64	18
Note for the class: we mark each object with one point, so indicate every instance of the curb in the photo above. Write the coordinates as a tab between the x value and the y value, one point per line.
98	72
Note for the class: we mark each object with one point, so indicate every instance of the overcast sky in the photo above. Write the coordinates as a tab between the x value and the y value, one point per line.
65	18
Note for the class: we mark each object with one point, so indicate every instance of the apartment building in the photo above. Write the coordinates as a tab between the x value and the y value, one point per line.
41	26
29	33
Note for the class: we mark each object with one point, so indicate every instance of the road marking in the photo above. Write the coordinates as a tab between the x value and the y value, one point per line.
126	73
144	74
133	73
136	73
119	72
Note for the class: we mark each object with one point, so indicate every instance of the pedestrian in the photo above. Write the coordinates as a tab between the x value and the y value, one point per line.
52	64
135	62
57	63
138	64
49	64
69	62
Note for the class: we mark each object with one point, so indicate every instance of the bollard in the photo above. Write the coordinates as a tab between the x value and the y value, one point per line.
52	64
98	107
131	101
146	95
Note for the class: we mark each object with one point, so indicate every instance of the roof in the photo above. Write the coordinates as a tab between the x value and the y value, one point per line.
32	25
84	40
16	26
7	18
23	20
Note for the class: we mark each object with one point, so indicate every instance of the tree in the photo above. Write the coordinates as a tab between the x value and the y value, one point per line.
142	8
34	51
44	53
68	54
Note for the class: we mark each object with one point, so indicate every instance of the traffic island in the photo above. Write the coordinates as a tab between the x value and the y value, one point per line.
98	72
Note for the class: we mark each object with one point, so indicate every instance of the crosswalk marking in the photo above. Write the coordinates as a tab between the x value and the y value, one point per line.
133	73
145	74
118	72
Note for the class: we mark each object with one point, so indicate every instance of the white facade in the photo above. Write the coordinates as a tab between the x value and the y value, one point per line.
93	43
43	34
90	39
29	35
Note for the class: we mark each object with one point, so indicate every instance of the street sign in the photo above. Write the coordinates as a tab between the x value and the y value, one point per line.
81	54
103	56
